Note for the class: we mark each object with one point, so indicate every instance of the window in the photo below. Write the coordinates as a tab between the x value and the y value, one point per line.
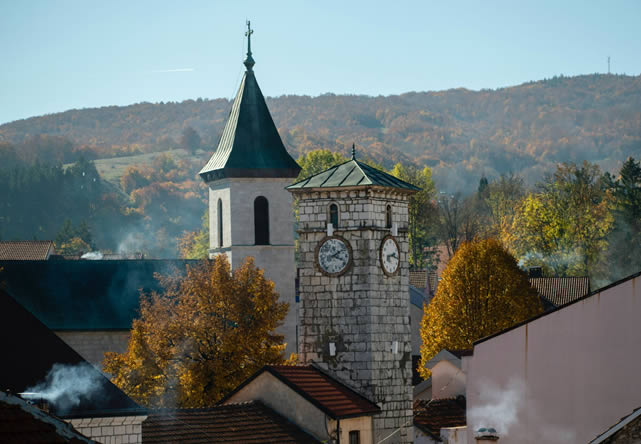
261	221
333	215
354	437
220	223
388	217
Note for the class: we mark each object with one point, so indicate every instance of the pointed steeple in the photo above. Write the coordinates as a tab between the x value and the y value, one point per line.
250	145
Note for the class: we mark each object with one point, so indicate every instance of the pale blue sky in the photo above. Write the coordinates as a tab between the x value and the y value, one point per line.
58	55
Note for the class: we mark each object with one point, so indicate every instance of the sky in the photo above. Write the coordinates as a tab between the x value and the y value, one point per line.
63	54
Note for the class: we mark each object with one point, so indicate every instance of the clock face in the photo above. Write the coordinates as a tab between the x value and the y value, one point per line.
333	255
390	256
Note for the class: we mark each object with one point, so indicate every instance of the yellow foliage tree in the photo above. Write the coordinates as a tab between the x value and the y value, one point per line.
482	291
206	333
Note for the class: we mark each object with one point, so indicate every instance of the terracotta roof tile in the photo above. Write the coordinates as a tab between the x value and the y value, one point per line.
25	250
249	422
23	423
418	278
332	396
433	415
561	290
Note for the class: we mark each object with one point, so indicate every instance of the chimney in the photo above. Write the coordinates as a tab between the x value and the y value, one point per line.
535	272
486	436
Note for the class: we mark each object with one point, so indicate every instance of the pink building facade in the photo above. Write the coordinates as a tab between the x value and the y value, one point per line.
563	377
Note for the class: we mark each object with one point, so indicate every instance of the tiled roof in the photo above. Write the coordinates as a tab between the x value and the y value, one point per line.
561	290
33	350
350	174
248	422
418	278
325	392
22	423
250	145
433	415
25	250
84	294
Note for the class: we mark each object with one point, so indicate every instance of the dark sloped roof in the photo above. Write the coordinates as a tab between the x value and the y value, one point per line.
82	294
351	174
250	145
30	351
561	290
25	250
432	415
417	297
328	394
248	422
21	422
612	434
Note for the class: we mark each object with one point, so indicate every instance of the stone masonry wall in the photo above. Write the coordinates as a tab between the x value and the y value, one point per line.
113	430
363	311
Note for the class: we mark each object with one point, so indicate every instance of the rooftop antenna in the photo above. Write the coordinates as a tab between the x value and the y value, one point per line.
249	61
608	64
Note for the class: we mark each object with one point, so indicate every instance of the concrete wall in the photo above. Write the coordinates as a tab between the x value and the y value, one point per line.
284	400
363	424
112	430
416	314
566	376
448	380
277	258
92	345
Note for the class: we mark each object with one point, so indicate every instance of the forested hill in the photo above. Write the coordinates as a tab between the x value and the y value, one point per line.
461	134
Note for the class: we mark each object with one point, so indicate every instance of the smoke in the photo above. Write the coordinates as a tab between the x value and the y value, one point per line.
65	386
92	255
504	408
498	408
133	242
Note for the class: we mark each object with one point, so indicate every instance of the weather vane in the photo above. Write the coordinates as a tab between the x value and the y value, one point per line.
249	61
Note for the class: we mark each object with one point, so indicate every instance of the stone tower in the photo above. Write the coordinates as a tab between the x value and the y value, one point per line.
354	309
250	212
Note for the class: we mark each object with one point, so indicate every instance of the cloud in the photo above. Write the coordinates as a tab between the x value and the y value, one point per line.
175	70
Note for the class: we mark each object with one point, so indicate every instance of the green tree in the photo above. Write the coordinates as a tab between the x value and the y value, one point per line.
421	212
190	139
195	244
482	291
564	226
205	334
317	161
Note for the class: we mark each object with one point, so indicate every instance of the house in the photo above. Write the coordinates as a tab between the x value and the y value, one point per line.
26	250
627	430
22	422
440	420
44	369
564	376
89	304
247	422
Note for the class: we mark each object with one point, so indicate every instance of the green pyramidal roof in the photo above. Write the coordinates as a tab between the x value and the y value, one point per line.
250	145
351	174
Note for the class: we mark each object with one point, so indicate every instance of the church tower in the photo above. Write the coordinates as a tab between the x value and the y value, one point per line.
250	212
354	277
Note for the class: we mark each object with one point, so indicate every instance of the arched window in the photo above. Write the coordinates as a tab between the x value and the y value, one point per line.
333	215
261	220
388	217
220	223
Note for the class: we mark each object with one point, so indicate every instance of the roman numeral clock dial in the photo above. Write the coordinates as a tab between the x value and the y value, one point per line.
390	256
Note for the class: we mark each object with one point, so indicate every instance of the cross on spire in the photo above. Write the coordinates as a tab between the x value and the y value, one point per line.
249	61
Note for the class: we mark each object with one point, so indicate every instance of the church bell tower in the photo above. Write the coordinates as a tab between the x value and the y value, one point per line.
250	212
354	277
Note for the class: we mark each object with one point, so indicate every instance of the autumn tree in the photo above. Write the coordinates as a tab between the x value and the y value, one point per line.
202	336
457	221
482	291
317	161
195	244
421	212
564	226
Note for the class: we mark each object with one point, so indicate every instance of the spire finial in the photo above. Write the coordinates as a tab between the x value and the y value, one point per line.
353	151
249	61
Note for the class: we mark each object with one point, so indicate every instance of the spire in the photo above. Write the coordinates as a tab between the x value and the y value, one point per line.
249	61
353	151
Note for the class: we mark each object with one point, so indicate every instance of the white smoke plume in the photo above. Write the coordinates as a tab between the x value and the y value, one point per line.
92	255
66	385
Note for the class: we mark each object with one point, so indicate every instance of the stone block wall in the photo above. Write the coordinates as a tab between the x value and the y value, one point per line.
112	430
363	312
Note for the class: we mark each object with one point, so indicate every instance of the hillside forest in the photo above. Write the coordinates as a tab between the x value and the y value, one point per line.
505	163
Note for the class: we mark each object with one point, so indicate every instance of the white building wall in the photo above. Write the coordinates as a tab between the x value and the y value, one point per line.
448	380
111	430
277	258
566	376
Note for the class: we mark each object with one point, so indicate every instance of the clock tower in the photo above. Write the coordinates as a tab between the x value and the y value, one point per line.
354	296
